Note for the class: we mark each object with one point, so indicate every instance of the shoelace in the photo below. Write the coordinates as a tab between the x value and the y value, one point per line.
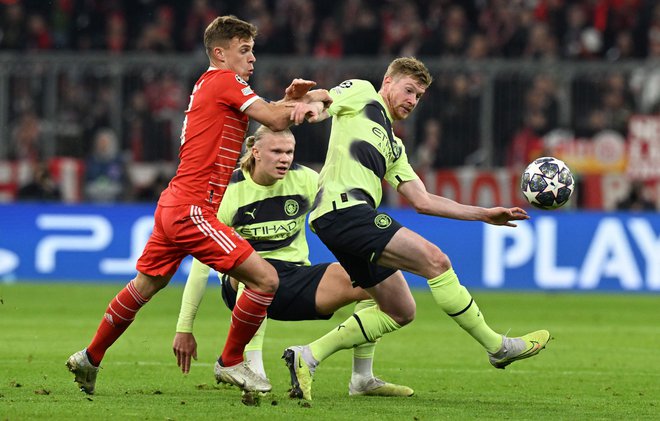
251	374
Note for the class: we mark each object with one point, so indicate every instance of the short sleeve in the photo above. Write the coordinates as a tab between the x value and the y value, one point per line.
227	206
311	181
400	171
350	96
234	92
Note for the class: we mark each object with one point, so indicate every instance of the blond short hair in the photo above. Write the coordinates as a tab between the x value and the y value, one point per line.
223	29
410	66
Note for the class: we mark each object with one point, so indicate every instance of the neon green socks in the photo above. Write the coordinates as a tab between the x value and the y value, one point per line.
456	301
363	355
366	325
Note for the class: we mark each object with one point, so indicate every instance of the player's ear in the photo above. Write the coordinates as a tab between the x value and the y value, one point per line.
387	80
219	53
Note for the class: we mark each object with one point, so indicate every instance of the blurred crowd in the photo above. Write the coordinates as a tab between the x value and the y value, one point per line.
541	29
447	130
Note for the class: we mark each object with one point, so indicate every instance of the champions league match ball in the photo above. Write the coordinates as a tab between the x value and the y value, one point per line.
547	183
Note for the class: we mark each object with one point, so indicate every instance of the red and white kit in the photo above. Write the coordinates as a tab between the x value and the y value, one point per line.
211	140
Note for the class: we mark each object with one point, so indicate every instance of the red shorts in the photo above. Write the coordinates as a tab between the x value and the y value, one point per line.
185	230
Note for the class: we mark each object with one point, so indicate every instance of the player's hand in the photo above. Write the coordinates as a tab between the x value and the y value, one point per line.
302	112
298	89
318	95
504	216
184	348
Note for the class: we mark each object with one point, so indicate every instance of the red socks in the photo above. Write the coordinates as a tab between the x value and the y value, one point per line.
249	312
118	316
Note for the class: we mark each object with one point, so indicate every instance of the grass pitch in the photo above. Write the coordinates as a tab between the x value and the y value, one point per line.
603	362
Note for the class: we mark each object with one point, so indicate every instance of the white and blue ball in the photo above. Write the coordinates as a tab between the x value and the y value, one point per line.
547	183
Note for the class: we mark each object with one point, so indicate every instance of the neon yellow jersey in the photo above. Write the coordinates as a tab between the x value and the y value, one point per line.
272	218
362	150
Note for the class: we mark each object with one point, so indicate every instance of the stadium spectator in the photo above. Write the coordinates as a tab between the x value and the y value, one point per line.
637	198
27	138
329	43
459	111
426	152
361	28
152	191
571	37
116	39
527	143
105	170
41	186
617	104
541	44
185	218
267	176
200	15
371	246
165	97
624	47
582	28
144	141
401	25
62	15
645	81
478	47
71	115
13	32
497	22
38	33
303	22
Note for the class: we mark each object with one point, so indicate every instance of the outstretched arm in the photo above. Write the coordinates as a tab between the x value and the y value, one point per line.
430	204
280	115
298	89
184	345
314	112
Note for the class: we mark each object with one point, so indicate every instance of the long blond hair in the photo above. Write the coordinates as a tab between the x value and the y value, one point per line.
247	160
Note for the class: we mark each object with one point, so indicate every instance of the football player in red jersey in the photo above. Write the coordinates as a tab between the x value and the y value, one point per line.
213	131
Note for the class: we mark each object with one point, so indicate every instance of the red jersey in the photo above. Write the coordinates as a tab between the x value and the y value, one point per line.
211	140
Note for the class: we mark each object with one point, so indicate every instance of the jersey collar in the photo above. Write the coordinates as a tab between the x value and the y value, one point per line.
387	110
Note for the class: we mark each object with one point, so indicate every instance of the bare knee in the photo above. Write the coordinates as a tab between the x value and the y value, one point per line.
257	274
272	282
148	286
403	315
438	262
268	282
403	319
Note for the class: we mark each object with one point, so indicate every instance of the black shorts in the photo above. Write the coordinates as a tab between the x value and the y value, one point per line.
357	237
295	298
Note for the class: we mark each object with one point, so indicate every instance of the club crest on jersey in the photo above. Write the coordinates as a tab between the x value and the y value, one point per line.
291	207
240	80
382	221
344	85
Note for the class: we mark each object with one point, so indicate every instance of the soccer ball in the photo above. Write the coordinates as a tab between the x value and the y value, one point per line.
547	183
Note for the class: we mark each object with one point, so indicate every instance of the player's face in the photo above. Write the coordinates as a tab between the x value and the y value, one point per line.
239	57
273	156
401	95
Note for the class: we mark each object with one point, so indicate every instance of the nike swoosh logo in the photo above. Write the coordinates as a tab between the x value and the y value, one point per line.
535	346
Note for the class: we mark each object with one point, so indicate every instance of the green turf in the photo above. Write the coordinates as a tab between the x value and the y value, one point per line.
603	363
